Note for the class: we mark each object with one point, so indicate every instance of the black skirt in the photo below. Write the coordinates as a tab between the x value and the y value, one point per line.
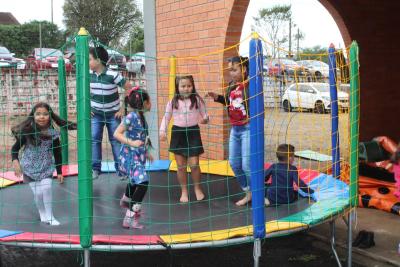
186	141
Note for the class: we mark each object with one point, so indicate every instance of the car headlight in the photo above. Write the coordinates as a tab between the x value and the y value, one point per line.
327	98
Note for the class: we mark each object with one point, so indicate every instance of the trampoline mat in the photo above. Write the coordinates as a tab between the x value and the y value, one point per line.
162	212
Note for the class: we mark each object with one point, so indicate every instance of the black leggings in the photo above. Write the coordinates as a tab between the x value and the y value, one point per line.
136	192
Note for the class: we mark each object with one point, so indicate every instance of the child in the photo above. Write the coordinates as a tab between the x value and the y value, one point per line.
105	105
188	109
41	143
239	141
283	175
133	134
396	171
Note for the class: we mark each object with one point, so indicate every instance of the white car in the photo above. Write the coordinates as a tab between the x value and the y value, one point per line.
317	68
137	64
312	96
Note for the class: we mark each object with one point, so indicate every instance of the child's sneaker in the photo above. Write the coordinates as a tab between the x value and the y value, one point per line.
124	202
131	220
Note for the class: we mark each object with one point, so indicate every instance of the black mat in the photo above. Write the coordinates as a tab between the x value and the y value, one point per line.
163	214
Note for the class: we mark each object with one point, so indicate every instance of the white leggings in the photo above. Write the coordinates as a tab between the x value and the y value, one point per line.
44	200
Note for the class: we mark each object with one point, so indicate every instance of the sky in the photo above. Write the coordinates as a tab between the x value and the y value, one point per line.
311	17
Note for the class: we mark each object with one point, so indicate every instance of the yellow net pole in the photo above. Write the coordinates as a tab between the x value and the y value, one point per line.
171	92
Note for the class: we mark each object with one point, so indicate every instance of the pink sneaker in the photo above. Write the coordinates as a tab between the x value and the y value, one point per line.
124	202
131	221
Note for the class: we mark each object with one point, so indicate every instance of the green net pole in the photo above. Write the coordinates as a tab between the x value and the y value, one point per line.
354	122
85	186
62	108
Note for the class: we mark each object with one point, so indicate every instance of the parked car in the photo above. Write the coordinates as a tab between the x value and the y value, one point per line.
46	58
318	69
312	96
287	68
137	64
7	59
116	61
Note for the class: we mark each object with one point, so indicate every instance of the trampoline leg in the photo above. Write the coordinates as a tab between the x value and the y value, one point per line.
86	257
349	239
257	251
333	243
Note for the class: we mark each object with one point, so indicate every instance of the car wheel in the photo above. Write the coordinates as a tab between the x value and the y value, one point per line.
318	76
143	70
319	107
286	106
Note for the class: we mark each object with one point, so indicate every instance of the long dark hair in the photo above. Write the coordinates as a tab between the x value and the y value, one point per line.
31	131
194	96
135	99
243	62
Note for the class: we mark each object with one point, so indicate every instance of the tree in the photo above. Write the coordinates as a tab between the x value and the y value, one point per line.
316	53
21	39
273	22
135	41
106	20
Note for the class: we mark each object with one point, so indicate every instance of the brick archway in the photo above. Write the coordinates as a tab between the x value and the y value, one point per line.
192	27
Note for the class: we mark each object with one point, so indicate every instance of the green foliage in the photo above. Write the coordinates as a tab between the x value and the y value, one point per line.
316	53
106	20
136	40
21	39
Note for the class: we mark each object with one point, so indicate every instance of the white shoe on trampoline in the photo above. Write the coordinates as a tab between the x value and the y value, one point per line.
52	221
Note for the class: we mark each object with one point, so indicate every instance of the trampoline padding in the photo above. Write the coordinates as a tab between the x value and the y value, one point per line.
271	227
42	238
127	239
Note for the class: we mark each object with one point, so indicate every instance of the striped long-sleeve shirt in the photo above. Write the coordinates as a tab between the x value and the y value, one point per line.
104	97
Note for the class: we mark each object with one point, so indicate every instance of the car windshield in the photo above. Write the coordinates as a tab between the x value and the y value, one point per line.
323	88
4	50
288	62
48	52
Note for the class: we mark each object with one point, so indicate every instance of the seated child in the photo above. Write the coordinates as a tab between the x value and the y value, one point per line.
283	173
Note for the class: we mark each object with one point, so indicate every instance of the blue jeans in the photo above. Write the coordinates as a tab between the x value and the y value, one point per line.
98	122
239	154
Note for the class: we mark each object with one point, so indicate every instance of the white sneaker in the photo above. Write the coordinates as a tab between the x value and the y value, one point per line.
52	221
95	175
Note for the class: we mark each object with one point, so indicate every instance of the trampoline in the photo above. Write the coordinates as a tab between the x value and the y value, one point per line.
166	223
89	211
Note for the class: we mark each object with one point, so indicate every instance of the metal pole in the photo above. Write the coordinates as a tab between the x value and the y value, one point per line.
86	256
257	252
40	39
62	108
333	243
52	12
349	240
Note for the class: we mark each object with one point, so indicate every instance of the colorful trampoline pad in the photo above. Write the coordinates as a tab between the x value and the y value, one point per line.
157	165
5	182
219	235
217	167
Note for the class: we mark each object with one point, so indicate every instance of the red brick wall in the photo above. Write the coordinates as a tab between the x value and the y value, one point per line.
191	28
374	25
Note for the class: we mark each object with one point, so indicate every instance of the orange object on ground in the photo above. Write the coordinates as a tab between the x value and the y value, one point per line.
378	194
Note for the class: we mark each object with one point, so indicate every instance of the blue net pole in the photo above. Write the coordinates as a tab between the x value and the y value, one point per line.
256	108
334	113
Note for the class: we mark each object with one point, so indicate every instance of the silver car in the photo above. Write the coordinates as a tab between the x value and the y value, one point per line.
317	68
137	64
